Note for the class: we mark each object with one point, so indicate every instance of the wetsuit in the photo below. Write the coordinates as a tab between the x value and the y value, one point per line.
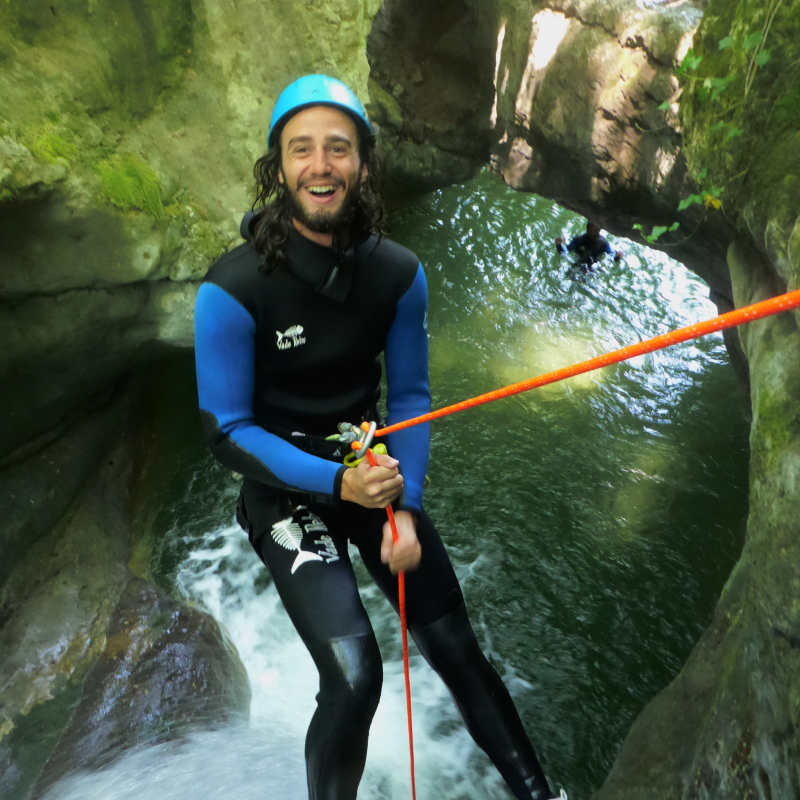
281	358
589	250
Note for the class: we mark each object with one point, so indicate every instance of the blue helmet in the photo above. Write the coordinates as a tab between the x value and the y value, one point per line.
316	90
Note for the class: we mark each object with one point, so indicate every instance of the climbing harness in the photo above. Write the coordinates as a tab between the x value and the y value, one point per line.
359	438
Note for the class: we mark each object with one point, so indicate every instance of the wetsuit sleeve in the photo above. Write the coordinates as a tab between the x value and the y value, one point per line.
575	244
408	390
225	358
608	249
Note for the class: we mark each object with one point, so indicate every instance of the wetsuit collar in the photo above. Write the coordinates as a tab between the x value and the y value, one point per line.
326	271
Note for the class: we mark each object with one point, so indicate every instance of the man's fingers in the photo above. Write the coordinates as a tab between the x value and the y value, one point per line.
386	544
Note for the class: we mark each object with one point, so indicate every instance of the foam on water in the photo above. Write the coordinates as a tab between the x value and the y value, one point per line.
264	759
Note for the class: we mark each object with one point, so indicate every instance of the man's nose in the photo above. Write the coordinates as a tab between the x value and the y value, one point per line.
320	161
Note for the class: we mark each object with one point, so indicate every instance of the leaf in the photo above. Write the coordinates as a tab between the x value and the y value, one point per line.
674	227
665	106
727	42
651	237
703	172
717	127
689	201
690	62
716	191
719	85
763	57
753	40
713	202
733	133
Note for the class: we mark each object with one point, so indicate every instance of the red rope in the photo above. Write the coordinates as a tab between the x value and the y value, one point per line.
401	600
783	302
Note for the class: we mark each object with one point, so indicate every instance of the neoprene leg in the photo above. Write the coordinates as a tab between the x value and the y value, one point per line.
450	647
315	581
350	679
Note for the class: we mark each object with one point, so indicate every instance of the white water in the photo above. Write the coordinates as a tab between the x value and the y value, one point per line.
264	759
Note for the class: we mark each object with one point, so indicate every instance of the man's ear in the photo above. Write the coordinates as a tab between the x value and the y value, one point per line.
364	173
280	175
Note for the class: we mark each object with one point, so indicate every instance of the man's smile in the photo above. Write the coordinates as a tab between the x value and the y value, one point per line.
322	193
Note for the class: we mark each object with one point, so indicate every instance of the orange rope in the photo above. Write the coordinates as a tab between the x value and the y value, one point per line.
401	601
783	302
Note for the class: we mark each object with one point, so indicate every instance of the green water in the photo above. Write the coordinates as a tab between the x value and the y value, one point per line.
593	523
602	515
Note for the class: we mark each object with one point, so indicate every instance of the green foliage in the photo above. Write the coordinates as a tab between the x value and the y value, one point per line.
786	113
690	63
129	183
751	41
652	237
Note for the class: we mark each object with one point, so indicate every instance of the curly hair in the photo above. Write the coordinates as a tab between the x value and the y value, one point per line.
275	220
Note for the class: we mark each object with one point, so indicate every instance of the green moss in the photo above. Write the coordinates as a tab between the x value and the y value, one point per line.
130	183
778	424
50	146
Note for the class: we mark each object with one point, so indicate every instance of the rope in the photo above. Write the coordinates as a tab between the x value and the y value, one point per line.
775	305
401	601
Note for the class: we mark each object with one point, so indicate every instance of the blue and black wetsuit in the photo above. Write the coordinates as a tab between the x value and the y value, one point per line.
588	250
281	359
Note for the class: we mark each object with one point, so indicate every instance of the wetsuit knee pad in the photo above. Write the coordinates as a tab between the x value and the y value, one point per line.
350	675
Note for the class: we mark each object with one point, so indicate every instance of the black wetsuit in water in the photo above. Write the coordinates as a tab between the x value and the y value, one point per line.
589	250
282	358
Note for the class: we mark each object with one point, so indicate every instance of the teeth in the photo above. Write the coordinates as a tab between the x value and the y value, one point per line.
320	189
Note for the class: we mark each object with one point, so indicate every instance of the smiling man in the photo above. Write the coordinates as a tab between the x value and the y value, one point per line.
289	328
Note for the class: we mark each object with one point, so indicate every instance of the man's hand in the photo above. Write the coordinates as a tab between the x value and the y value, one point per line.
373	487
617	255
559	240
405	554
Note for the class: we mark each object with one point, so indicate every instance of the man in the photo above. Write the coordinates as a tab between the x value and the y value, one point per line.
288	328
589	246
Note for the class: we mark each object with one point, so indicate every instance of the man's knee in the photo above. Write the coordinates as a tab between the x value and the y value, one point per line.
351	674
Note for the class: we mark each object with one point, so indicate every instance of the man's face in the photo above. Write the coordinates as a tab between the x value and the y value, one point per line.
321	168
593	231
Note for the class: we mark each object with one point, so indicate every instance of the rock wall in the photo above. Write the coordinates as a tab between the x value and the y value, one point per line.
128	132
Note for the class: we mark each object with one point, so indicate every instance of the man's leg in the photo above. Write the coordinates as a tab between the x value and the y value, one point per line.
311	569
438	622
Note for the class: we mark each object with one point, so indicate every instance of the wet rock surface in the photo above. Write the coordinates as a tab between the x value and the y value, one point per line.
166	669
431	92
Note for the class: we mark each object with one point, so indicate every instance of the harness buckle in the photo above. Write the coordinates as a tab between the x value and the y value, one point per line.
358	437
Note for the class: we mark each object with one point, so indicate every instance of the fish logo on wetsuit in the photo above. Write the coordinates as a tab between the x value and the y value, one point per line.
292	337
288	533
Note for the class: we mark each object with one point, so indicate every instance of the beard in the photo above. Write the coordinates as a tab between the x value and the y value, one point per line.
323	221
